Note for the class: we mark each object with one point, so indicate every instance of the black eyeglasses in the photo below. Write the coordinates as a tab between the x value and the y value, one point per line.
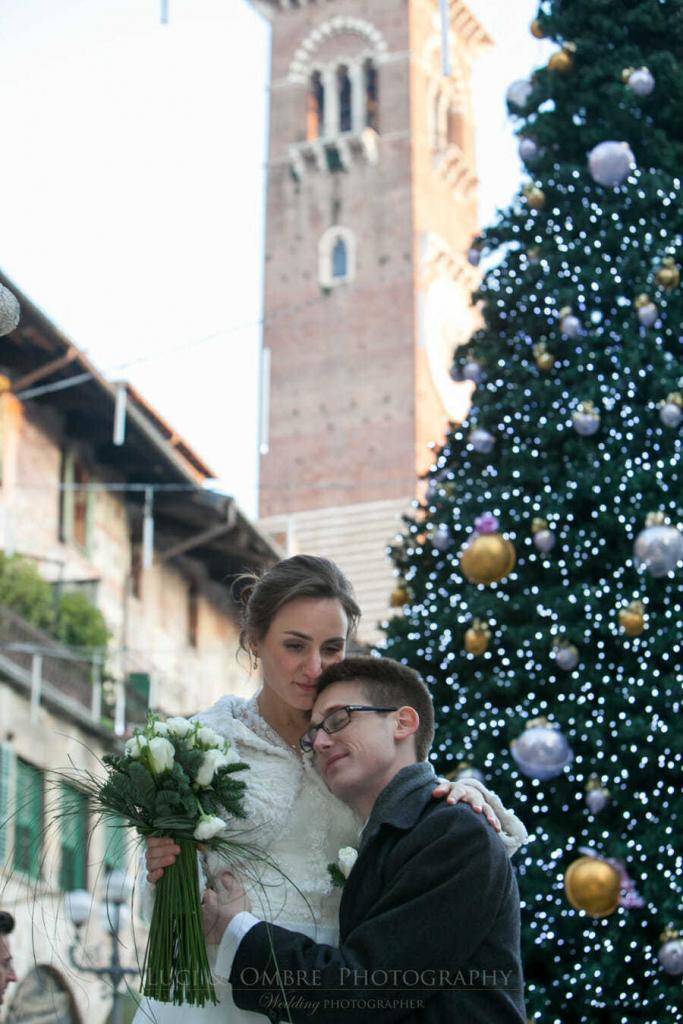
334	721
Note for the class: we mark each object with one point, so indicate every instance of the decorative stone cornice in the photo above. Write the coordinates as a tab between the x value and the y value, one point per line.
437	259
303	60
327	155
468	27
271	7
453	166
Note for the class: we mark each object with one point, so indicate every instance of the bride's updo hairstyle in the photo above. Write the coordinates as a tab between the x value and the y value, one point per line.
300	576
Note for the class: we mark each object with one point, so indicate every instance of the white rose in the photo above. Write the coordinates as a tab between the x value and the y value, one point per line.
135	745
208	827
208	738
161	755
179	726
346	859
212	760
161	729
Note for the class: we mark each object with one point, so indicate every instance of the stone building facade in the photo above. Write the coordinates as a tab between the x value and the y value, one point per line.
372	205
117	507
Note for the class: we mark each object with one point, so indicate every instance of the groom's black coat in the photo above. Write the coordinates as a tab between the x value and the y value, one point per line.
429	928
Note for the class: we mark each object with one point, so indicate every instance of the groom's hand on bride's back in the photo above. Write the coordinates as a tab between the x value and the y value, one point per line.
161	853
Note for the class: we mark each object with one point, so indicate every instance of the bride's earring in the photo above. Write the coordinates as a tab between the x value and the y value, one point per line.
253	659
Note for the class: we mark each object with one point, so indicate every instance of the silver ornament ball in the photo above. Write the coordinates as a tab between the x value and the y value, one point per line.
671	414
570	326
566	658
659	549
10	311
610	163
586	423
482	441
474	256
541	752
670	956
648	314
529	151
544	540
468	772
441	539
641	82
518	93
597	800
473	371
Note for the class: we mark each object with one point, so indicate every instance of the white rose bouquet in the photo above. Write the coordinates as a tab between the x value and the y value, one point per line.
176	778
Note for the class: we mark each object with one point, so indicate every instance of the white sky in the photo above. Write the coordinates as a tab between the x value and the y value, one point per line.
132	195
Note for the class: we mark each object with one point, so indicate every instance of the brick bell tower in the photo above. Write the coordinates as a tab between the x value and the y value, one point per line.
372	204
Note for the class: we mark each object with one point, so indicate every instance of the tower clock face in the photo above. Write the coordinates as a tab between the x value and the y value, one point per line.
447	323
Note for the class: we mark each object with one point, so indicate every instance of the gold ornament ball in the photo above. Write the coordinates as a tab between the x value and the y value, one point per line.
668	275
399	597
537	30
477	638
592	885
561	62
632	618
544	360
489	558
535	197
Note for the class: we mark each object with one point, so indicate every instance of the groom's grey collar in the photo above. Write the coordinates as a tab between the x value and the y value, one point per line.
402	801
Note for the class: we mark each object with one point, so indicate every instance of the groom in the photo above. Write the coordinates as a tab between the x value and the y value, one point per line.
429	916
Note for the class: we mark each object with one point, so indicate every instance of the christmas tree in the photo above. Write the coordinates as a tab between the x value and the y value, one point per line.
542	600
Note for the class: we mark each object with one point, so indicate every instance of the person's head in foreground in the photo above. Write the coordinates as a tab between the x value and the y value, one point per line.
371	717
6	966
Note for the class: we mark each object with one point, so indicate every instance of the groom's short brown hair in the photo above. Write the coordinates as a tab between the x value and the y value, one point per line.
387	682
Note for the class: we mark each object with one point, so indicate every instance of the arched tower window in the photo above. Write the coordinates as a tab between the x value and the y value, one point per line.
340	259
337	64
371	95
345	94
336	257
316	107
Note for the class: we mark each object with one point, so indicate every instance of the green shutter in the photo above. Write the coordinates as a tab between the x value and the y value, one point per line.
6	758
74	839
137	696
89	521
3	417
66	519
116	842
28	827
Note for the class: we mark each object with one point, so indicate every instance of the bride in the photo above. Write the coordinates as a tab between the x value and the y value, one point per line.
297	619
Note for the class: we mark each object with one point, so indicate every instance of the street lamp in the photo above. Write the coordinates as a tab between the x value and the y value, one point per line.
78	905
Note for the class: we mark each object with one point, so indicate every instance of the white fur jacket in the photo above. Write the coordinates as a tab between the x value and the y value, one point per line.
293	818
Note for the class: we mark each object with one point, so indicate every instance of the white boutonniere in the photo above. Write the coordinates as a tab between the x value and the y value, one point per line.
341	870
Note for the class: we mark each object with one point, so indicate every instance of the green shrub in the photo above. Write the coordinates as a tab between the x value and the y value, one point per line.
73	619
24	590
79	623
